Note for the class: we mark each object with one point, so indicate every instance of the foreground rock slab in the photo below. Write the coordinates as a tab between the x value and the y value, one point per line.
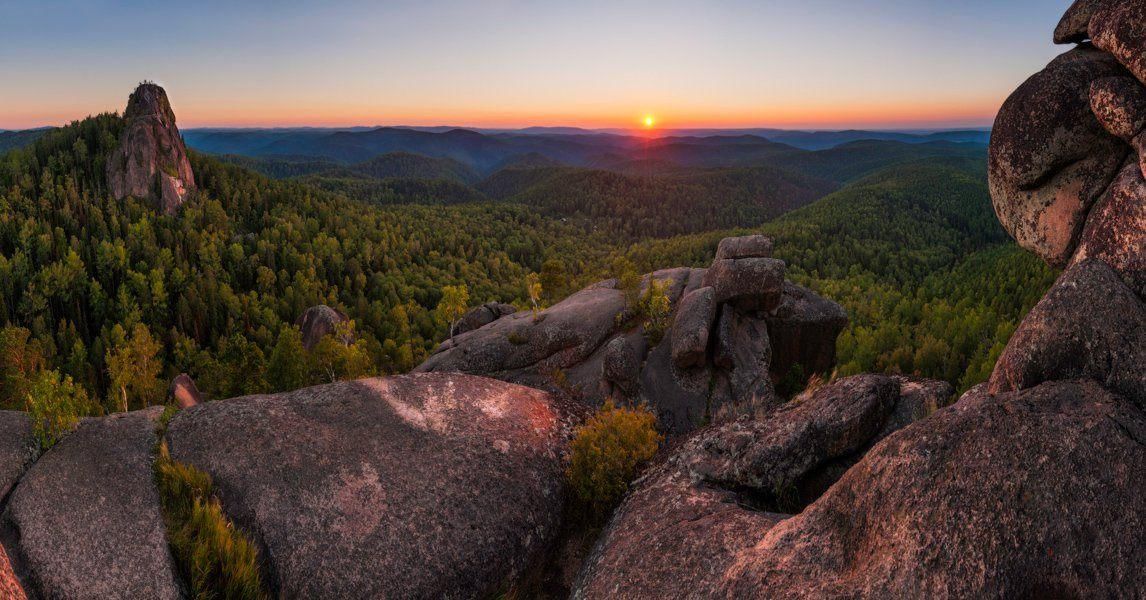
689	518
968	503
422	486
86	517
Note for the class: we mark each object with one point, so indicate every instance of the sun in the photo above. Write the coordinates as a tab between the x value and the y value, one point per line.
649	121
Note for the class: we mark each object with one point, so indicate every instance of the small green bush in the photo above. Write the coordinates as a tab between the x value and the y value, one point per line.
55	405
606	453
216	560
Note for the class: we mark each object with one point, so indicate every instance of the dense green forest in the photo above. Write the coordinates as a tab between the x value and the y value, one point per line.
87	282
120	298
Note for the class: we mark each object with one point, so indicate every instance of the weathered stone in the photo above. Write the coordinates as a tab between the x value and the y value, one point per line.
694	319
1119	27
1088	325
918	398
687	519
184	391
483	315
803	331
749	283
1050	159
744	353
749	246
622	365
1073	26
966	504
970	504
86	516
151	160
1119	103
422	486
1115	231
680	397
16	448
318	322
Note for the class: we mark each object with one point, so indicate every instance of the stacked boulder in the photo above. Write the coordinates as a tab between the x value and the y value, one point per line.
716	359
1031	485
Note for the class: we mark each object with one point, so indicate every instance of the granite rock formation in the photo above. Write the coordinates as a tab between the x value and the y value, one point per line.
151	160
1029	486
421	486
716	360
84	521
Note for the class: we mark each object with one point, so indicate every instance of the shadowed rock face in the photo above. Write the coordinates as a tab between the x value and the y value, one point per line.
716	496
421	486
151	160
1088	325
16	448
86	517
318	322
716	360
483	315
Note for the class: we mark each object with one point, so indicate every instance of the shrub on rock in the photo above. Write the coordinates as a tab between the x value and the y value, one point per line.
607	451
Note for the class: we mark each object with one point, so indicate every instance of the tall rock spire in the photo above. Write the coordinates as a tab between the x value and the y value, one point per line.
151	161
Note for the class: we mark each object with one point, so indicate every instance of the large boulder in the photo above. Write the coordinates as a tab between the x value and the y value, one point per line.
1088	325
1119	27
318	322
621	368
151	160
689	518
483	315
803	330
1050	158
85	518
420	486
968	503
1073	27
749	283
974	503
748	246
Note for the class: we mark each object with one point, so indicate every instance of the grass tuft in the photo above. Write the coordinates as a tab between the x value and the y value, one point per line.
215	559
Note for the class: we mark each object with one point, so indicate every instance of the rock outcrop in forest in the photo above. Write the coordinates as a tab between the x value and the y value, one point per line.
151	160
1028	486
723	336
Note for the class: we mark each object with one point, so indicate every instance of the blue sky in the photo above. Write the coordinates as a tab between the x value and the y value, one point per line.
819	63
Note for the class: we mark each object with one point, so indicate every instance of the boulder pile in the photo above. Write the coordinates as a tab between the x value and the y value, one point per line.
733	329
1029	485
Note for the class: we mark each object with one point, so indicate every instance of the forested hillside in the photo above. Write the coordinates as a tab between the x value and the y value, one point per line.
931	283
121	298
95	287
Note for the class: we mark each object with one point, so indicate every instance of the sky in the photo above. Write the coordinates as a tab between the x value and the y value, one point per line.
822	64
